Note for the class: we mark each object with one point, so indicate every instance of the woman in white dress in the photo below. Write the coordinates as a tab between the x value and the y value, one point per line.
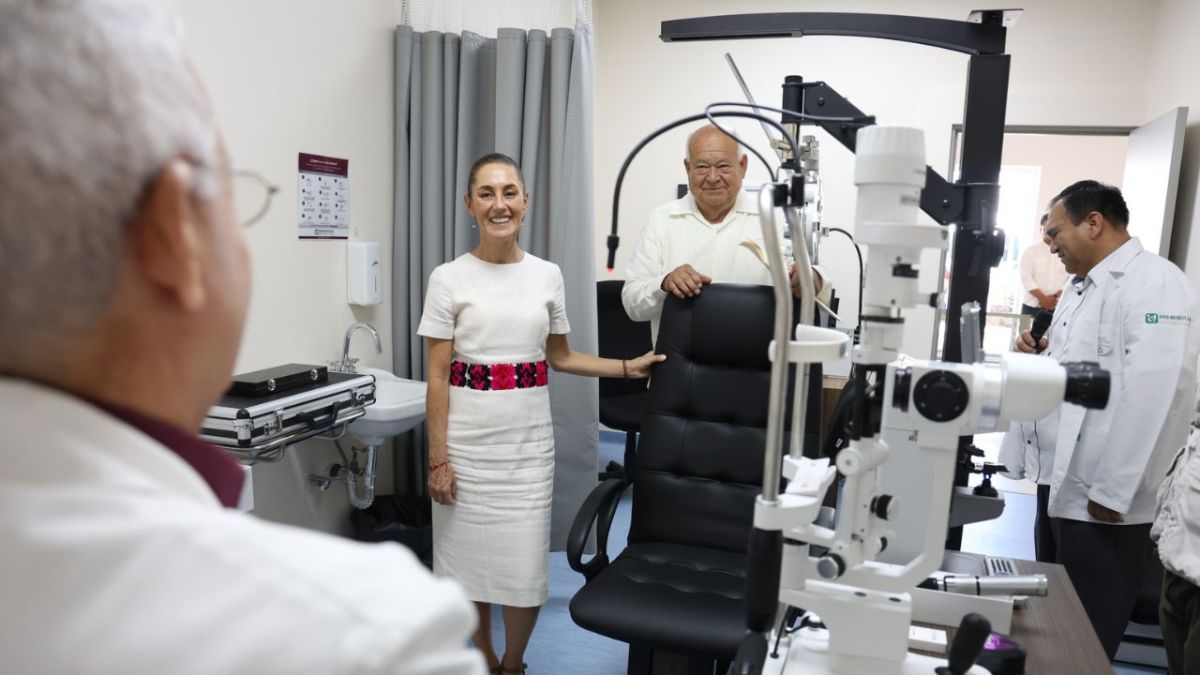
492	320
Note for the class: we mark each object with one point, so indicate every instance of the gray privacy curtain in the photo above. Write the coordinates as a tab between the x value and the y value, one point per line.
529	96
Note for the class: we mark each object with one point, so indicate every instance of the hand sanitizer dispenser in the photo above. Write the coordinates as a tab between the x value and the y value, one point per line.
364	272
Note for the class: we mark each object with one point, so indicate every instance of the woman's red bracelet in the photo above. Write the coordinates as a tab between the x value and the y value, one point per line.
435	467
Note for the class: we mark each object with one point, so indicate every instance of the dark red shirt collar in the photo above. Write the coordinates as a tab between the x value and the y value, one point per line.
223	475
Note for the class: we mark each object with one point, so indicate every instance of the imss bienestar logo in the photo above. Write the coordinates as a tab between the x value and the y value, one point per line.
1156	318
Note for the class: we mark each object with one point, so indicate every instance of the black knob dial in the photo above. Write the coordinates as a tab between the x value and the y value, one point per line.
941	395
900	389
884	507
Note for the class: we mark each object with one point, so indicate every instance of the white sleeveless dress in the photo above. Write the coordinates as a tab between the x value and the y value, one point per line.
495	540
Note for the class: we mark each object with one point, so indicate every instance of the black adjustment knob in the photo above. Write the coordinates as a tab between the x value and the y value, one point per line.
941	395
884	507
900	389
995	248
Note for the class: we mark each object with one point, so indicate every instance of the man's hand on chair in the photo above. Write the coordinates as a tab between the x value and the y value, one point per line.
685	282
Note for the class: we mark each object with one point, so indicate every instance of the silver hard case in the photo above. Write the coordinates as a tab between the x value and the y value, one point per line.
252	427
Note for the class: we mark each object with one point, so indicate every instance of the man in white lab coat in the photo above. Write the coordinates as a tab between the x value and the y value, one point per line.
124	284
1135	313
697	239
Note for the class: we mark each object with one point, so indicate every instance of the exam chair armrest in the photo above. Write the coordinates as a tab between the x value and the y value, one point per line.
599	507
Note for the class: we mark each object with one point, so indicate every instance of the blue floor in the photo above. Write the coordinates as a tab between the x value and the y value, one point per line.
559	646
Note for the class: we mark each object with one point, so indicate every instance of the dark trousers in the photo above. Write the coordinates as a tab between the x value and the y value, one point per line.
1179	614
1044	546
1107	564
1030	311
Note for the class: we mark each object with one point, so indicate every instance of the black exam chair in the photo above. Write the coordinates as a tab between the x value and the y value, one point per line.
678	585
622	402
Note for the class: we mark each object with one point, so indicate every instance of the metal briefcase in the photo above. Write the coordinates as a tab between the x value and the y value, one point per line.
251	426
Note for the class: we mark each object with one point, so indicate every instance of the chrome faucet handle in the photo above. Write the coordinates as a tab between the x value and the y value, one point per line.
347	363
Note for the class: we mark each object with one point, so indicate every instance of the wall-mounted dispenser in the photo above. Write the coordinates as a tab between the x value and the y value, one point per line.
364	272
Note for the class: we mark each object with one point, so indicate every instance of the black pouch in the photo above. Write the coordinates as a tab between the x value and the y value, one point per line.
278	379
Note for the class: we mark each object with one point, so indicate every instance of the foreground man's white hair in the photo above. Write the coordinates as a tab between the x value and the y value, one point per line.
95	96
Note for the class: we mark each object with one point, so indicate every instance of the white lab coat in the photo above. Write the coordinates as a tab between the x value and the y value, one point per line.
115	557
1139	323
1177	525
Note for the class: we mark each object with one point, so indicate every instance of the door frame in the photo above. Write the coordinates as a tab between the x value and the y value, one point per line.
952	166
1033	129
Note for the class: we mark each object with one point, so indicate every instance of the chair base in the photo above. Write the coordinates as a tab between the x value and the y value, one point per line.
1142	645
647	661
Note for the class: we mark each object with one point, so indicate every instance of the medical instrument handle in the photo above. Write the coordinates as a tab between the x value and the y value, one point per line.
764	555
968	642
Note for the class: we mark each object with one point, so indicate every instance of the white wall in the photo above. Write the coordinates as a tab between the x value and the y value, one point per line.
1075	62
290	76
1066	159
1174	53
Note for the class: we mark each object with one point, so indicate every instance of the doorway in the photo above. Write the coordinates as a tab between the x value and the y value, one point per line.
1036	163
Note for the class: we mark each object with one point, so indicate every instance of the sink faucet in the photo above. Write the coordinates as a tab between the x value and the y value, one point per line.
346	365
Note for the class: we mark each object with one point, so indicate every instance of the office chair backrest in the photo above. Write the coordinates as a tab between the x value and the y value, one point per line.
701	451
619	337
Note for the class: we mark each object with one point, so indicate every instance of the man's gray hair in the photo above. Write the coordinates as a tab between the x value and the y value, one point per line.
95	97
711	128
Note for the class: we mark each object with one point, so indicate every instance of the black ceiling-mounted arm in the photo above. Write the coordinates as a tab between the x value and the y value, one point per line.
958	36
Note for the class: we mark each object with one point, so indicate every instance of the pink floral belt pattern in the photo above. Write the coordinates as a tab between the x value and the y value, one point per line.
499	376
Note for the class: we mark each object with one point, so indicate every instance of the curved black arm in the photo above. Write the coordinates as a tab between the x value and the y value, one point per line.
959	36
600	506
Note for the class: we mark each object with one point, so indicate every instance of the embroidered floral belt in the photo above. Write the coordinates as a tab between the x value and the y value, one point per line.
498	376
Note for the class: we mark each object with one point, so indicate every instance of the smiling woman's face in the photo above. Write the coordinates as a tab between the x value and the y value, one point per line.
497	201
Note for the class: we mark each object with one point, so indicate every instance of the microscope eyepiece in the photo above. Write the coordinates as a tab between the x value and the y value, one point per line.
1087	384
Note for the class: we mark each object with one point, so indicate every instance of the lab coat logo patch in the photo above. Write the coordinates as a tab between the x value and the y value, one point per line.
1156	318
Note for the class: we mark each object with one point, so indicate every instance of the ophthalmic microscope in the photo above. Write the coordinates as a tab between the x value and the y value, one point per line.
831	569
